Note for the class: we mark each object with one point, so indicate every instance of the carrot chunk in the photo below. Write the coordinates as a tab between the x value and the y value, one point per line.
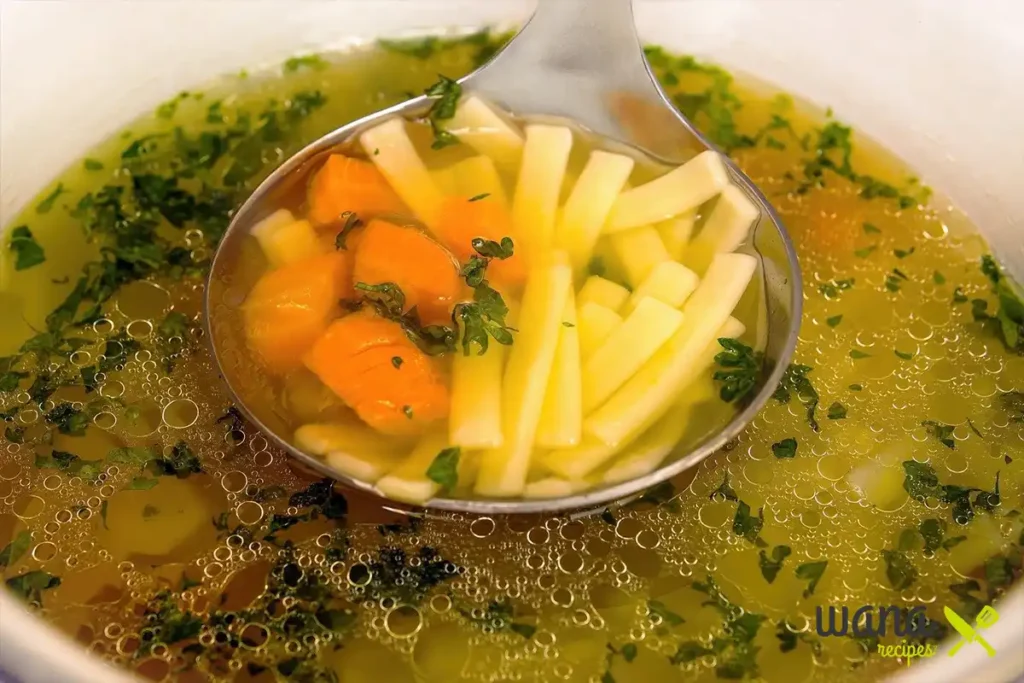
461	221
372	366
423	269
347	184
289	308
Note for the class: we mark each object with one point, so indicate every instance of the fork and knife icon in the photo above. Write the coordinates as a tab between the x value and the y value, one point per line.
969	634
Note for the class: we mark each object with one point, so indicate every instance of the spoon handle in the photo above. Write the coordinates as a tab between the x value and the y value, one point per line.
581	59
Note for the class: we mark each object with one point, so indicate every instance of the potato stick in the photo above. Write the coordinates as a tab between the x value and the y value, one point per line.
682	189
669	282
408	481
725	229
323	438
480	127
561	418
445	180
553	487
650	392
545	156
675	233
595	322
475	417
389	147
478	175
364	466
598	290
626	350
575	463
503	469
658	442
588	205
286	242
639	251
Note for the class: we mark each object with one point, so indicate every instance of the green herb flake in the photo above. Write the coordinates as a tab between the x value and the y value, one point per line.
746	525
785	448
837	411
811	572
938	278
741	367
857	354
865	252
942	433
856	387
903	355
407	410
958	296
629	650
447	92
478	197
142	484
48	202
898	569
27	252
834	320
444	470
349	222
13	551
795	381
30	586
903	253
92	165
313	61
871	229
770	566
833	288
397	361
656	608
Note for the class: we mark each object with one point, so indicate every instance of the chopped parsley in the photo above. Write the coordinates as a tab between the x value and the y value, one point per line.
898	569
349	222
903	354
870	229
741	367
832	288
837	411
748	526
483	318
811	572
656	608
407	410
313	61
866	251
13	551
48	202
27	252
938	278
388	300
476	198
1009	317
92	165
795	381
447	92
444	470
857	354
30	585
921	482
903	253
834	320
770	566
942	433
785	448
397	361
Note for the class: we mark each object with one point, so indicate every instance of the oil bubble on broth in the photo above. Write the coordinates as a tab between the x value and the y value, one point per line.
141	514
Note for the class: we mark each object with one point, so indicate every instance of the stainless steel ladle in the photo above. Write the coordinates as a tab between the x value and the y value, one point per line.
579	60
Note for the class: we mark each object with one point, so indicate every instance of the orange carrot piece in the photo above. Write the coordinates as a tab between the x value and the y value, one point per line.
289	308
373	367
421	267
347	184
461	221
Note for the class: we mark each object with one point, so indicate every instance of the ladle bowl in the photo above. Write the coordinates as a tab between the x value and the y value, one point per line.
579	61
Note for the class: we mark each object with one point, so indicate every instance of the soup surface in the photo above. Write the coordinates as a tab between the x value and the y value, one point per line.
142	515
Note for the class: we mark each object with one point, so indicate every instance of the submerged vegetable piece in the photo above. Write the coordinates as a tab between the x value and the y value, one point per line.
285	240
290	307
464	219
407	257
346	184
356	358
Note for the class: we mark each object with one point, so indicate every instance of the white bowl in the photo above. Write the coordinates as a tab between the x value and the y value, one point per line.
938	82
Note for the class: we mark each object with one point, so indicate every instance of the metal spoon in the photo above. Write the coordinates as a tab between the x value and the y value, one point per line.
579	60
